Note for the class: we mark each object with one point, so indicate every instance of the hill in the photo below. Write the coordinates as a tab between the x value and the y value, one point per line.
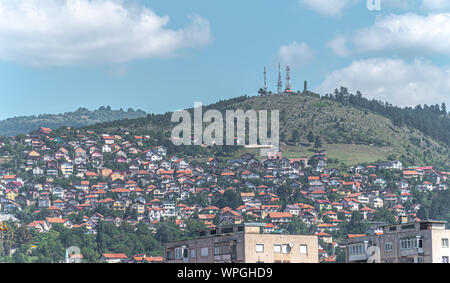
350	134
79	118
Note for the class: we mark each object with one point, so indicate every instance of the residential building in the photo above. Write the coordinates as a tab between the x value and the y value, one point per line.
113	258
419	242
243	243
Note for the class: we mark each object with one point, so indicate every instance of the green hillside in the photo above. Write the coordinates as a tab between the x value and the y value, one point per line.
350	135
79	118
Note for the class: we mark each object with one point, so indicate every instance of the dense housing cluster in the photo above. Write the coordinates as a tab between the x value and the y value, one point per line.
125	178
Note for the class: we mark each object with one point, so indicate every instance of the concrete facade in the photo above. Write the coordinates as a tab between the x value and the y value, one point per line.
421	242
244	243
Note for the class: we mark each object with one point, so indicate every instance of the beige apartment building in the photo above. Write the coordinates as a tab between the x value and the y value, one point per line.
420	242
243	243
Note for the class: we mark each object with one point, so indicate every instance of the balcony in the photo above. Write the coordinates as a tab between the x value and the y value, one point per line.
358	257
412	251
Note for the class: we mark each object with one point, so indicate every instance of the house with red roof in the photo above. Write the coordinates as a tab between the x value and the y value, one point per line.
113	258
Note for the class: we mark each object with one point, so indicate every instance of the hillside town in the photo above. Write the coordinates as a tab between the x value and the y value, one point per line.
120	177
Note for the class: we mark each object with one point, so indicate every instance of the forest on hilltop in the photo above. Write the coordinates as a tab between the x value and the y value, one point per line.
79	118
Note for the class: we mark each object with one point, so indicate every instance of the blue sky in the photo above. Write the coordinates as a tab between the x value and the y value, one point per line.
158	56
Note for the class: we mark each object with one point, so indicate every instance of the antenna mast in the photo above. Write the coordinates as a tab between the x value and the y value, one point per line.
265	80
288	79
280	84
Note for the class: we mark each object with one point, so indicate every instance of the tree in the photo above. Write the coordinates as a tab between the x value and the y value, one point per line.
383	215
282	136
297	227
167	232
318	142
22	236
192	226
229	198
50	248
310	137
19	257
356	225
295	135
341	255
423	213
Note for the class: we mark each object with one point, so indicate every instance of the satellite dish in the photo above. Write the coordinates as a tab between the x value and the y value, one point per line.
291	244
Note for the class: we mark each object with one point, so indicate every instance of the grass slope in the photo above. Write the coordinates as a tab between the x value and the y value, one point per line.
349	134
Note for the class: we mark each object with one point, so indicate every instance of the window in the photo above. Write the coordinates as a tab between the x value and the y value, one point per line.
405	244
388	247
408	243
259	248
445	243
178	253
445	259
303	249
425	226
357	249
192	253
204	252
277	248
407	227
220	250
284	249
227	230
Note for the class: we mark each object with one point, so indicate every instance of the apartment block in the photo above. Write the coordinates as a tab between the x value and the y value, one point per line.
419	242
243	243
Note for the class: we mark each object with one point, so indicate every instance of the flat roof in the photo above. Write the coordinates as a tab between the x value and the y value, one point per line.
421	222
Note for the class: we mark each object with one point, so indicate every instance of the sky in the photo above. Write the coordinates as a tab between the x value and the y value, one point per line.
159	56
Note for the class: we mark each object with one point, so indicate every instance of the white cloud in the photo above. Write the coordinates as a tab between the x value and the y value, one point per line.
334	8
417	5
399	4
338	45
393	80
72	32
435	5
296	54
328	7
407	32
